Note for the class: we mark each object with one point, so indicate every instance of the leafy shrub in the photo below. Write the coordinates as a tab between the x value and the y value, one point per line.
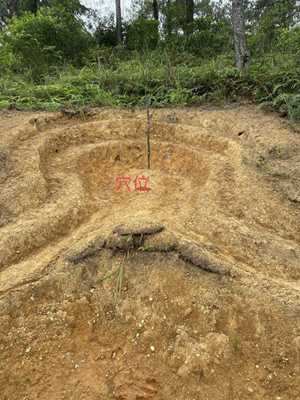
210	38
293	106
289	40
142	34
162	77
27	38
7	59
45	39
106	34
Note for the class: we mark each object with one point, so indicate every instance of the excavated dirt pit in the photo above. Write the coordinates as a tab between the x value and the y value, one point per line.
186	290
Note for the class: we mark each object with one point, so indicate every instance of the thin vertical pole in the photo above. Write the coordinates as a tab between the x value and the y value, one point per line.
148	138
119	21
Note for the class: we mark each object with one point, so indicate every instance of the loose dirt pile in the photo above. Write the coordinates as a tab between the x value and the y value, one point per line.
178	282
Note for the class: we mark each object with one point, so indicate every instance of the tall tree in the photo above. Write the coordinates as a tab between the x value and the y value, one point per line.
190	6
238	22
119	21
155	10
180	15
168	18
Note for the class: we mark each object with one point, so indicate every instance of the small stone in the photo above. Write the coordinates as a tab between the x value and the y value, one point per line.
152	348
188	312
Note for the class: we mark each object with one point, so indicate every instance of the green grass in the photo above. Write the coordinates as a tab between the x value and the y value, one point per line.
161	79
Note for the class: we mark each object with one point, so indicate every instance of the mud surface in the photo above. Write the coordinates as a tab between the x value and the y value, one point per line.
184	284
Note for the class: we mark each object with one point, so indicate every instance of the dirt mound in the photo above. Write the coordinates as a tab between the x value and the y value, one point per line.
119	282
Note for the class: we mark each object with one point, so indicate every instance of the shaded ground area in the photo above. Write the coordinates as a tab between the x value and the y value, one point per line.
189	290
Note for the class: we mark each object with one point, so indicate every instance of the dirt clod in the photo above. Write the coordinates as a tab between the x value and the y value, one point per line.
193	253
148	229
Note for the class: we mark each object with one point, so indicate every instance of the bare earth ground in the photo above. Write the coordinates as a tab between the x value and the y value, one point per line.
190	291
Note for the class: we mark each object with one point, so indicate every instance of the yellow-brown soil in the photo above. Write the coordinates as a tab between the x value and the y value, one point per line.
205	307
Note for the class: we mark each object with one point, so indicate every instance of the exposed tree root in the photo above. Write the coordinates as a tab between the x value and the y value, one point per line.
125	238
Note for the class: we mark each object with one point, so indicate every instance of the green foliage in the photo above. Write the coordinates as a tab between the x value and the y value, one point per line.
28	5
49	60
268	20
293	106
142	34
71	89
7	59
163	78
28	38
277	83
210	38
106	33
73	7
289	40
45	39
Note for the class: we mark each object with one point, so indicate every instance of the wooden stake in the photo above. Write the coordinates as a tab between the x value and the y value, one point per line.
148	138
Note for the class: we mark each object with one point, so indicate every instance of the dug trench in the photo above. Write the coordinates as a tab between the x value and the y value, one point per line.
189	290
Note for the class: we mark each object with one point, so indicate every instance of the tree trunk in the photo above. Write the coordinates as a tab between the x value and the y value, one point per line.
13	6
35	6
155	10
189	5
238	22
169	21
119	21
